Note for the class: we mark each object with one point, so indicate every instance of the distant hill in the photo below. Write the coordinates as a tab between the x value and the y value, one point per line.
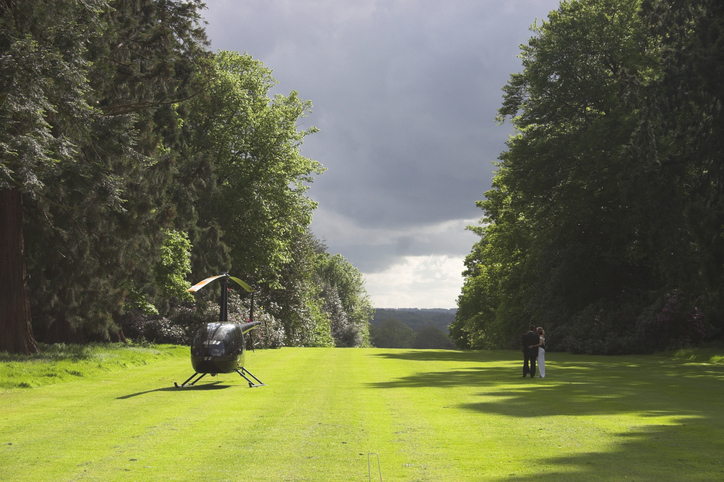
417	318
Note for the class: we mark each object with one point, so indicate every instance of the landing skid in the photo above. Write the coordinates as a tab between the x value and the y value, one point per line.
186	383
243	372
251	384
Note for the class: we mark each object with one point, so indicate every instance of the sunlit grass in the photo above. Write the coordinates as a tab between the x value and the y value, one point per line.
713	354
430	415
60	362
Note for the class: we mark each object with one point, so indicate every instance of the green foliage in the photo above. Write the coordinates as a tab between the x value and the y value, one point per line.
92	124
604	203
270	334
430	337
684	113
43	80
345	300
256	202
712	353
142	157
495	268
177	327
392	333
260	203
138	302
181	323
174	265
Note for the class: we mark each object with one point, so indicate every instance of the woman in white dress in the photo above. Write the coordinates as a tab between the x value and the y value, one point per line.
541	352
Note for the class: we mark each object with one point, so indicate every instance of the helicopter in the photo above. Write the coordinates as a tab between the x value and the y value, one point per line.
219	347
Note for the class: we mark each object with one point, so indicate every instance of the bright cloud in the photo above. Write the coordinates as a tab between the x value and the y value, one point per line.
417	282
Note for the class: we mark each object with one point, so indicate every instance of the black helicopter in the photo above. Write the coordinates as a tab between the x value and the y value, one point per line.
219	347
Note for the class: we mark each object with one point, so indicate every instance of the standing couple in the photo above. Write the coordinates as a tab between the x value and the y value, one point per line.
534	343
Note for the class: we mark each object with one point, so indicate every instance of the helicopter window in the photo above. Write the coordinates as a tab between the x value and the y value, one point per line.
198	348
218	340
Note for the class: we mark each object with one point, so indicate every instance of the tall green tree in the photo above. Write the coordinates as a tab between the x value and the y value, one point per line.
564	228
91	110
683	107
605	221
261	177
124	143
496	274
257	202
295	300
43	79
111	206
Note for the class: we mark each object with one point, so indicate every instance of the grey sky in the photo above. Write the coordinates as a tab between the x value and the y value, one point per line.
405	94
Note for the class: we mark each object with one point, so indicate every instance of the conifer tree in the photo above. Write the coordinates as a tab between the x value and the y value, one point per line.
92	125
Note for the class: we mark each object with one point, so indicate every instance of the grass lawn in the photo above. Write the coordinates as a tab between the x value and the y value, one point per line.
428	414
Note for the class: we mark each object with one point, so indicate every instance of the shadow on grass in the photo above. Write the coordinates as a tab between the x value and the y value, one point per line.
196	388
444	355
654	453
688	398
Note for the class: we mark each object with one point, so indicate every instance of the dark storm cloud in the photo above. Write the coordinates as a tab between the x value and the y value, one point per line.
405	94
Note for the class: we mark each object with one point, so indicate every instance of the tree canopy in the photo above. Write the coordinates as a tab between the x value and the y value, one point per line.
134	161
603	214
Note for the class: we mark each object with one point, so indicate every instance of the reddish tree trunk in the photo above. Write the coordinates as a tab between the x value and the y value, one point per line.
16	331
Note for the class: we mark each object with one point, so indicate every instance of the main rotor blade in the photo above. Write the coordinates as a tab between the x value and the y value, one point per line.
242	284
203	283
206	281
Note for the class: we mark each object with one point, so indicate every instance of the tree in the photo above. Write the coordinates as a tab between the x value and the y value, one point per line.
174	265
345	299
261	177
565	228
257	203
125	144
392	333
16	329
296	299
574	180
682	107
144	66
90	120
42	78
605	220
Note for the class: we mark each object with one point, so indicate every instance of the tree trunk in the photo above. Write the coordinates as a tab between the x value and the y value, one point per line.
16	331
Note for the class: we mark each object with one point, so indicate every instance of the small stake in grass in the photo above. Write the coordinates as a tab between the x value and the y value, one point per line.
219	347
369	468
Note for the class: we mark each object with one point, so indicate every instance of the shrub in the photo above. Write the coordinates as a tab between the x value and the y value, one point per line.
182	322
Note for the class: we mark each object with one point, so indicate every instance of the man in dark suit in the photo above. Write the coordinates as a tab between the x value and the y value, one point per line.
530	354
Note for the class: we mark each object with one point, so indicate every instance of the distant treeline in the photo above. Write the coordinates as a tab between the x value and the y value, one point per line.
416	318
411	328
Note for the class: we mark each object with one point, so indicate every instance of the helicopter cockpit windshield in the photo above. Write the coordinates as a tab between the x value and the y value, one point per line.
218	340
